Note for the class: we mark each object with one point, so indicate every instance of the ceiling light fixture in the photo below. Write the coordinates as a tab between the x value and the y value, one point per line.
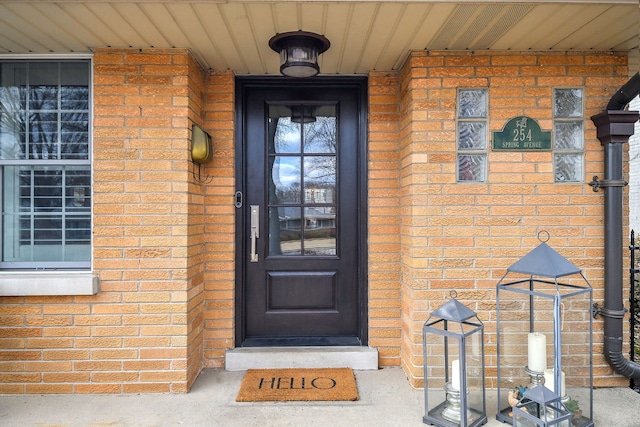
299	52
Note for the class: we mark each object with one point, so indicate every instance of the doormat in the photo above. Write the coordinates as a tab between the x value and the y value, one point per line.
279	385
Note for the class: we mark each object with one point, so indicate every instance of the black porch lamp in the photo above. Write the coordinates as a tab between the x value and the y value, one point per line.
299	52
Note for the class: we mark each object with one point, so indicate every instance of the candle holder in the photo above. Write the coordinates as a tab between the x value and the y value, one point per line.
452	412
536	377
454	379
544	333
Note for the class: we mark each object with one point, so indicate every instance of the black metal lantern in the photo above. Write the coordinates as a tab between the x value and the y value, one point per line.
540	407
453	348
544	334
299	51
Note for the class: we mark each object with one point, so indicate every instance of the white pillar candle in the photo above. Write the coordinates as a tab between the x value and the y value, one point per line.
455	374
537	360
549	381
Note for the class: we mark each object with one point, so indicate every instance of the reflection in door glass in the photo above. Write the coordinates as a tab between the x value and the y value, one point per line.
319	179
319	231
285	179
288	240
320	136
284	134
302	178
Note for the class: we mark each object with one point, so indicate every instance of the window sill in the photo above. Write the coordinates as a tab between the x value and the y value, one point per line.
51	283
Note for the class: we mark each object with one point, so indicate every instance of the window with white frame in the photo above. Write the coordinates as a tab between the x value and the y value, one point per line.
568	129
45	167
472	117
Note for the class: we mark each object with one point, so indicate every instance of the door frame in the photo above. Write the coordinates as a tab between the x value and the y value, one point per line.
243	84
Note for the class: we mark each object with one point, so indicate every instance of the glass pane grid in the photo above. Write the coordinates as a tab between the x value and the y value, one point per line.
44	219
302	175
46	170
45	110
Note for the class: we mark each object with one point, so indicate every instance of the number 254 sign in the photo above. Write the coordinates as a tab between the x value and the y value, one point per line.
522	133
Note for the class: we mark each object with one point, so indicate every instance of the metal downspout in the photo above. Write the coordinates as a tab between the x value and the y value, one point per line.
614	127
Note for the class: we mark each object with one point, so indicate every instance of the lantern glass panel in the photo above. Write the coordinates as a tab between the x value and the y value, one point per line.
532	414
475	377
454	361
533	318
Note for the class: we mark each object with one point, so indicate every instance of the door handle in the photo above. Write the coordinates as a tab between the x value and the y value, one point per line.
255	231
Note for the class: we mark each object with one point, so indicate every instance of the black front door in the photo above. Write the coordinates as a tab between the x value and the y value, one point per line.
301	222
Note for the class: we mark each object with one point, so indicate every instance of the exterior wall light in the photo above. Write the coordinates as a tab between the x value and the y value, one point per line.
201	149
201	152
299	52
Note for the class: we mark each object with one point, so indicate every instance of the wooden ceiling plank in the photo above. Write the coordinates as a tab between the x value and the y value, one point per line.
32	28
438	15
162	18
357	34
338	14
118	29
211	42
237	23
287	17
397	49
614	20
102	33
313	18
72	33
7	44
263	28
385	23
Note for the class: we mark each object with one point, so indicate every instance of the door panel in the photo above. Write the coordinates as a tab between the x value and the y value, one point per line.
301	171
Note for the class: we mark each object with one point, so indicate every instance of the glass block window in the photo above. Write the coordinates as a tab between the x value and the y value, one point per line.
568	131
472	117
45	168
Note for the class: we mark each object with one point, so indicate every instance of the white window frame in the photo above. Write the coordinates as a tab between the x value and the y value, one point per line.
59	281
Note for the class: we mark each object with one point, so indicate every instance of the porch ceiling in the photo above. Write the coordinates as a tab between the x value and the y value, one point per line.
365	35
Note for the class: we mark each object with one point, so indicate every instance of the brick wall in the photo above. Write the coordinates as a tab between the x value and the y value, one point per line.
143	331
463	236
384	217
164	243
195	250
220	219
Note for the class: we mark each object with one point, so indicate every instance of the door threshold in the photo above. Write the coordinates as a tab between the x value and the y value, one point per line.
358	358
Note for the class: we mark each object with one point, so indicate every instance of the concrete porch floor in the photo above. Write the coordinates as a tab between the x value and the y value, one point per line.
386	399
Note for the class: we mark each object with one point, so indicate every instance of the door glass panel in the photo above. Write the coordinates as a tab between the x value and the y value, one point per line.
320	231
284	134
285	236
320	179
320	134
302	181
285	179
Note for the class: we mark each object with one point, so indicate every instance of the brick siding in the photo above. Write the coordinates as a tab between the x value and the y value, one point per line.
462	236
164	244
